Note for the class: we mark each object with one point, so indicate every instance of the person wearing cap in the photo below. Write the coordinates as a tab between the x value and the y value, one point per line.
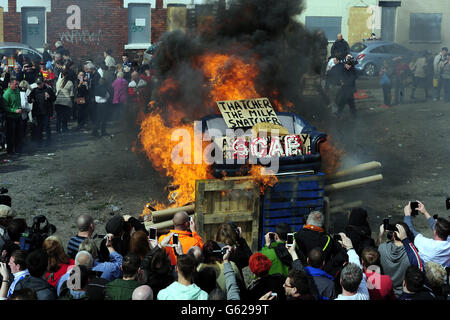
6	215
188	238
29	74
42	98
14	126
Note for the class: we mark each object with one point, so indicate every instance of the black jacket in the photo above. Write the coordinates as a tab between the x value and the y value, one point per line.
42	106
44	290
242	254
265	284
340	49
348	79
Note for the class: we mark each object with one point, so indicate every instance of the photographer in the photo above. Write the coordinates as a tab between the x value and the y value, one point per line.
347	79
275	249
397	254
436	249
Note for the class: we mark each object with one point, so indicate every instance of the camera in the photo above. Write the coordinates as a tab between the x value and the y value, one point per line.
388	226
34	237
337	237
350	60
414	205
272	237
222	251
290	239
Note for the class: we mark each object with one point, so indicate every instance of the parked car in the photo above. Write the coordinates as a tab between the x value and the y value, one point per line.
8	49
371	55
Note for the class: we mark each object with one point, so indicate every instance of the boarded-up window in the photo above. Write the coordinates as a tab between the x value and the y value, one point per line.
425	27
138	23
176	18
330	26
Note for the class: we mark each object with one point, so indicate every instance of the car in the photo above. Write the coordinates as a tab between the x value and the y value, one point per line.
371	55
8	49
294	124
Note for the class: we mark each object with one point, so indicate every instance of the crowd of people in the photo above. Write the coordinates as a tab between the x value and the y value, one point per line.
131	263
426	72
43	97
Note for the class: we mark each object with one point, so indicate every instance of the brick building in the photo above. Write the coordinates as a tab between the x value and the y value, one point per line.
88	27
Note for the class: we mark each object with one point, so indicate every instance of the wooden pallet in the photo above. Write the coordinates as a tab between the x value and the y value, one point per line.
221	201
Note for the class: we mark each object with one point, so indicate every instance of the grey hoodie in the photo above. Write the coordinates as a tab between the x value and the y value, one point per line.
394	261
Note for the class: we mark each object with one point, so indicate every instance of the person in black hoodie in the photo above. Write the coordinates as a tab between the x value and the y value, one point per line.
358	230
42	98
347	79
37	262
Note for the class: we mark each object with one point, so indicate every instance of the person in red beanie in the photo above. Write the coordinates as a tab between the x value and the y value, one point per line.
260	265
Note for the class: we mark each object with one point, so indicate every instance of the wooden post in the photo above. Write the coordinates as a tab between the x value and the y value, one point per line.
352	183
356	169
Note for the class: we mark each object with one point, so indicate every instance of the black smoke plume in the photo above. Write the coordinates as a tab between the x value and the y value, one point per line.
265	29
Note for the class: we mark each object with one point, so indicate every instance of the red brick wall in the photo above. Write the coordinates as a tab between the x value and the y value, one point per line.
104	24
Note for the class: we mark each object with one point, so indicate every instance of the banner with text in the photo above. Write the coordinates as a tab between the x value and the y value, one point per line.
247	113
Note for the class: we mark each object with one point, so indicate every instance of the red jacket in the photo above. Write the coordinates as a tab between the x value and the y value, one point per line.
53	277
379	286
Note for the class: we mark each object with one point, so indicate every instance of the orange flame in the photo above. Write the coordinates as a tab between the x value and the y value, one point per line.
331	156
230	78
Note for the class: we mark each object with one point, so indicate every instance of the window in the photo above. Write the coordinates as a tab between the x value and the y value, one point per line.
31	55
380	49
425	27
358	47
330	26
138	26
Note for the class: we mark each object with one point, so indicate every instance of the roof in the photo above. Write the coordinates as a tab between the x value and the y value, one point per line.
15	45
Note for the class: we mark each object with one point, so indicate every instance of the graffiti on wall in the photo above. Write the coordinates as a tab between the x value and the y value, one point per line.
81	36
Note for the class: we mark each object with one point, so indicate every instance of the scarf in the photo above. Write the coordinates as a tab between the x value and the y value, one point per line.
17	277
313	228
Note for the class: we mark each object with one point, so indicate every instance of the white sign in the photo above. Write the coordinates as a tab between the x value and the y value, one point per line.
140	22
33	20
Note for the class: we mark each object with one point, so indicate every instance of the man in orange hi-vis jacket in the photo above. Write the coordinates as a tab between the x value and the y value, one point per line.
187	239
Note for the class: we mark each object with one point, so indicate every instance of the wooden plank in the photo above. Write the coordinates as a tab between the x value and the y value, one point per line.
221	218
199	205
255	224
224	185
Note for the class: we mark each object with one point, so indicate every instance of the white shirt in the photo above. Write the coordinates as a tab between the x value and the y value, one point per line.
362	293
433	250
